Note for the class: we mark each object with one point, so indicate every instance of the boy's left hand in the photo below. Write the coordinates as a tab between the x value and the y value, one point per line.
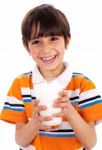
63	102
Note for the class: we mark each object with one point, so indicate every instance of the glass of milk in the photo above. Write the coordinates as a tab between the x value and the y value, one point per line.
47	92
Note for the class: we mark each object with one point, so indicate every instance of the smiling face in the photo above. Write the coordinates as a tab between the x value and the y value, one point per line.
48	53
46	34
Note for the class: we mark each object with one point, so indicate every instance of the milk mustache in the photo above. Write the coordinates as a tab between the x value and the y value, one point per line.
47	92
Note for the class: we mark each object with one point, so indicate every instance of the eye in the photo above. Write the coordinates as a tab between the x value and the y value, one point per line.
54	38
35	42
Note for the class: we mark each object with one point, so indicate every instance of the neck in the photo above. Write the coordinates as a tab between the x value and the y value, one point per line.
54	73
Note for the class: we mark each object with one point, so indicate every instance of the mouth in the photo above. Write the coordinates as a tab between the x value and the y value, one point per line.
48	59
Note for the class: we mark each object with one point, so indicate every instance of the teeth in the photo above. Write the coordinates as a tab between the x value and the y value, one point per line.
48	58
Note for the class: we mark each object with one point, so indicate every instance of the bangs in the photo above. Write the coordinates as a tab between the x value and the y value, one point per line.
46	27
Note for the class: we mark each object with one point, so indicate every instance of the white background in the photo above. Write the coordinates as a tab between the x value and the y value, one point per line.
84	53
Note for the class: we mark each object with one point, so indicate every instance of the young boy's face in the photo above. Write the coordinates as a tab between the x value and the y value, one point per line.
48	52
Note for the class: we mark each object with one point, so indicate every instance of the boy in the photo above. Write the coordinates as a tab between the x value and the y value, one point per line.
46	36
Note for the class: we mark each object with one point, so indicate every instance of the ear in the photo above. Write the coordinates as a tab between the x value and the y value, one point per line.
67	42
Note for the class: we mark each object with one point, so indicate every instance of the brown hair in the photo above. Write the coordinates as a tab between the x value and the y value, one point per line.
44	20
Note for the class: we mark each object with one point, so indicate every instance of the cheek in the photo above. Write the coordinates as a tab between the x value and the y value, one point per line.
33	52
61	46
61	49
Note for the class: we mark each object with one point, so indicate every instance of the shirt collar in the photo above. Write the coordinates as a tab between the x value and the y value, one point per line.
64	78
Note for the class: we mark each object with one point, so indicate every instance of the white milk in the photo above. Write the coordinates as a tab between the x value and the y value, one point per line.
47	92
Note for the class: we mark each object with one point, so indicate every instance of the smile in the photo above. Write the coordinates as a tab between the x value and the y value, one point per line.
48	59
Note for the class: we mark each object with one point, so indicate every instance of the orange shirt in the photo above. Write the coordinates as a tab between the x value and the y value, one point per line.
83	96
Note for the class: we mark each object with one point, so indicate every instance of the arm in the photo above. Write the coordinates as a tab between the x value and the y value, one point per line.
26	132
84	131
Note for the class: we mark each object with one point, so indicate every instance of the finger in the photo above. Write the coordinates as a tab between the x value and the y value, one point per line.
35	103
61	105
47	118
63	93
37	109
58	115
64	99
35	113
45	128
43	107
37	117
41	119
61	100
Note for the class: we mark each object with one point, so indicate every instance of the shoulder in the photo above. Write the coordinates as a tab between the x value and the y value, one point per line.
27	74
23	79
79	75
24	76
82	82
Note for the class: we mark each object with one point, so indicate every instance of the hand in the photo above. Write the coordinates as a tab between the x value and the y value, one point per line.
37	119
63	102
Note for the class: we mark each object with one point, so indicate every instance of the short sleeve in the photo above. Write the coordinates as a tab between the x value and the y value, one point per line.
14	110
90	101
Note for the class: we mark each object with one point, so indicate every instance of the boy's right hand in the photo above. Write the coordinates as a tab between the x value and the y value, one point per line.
37	119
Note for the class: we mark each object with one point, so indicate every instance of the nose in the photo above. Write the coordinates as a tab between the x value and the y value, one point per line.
46	46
